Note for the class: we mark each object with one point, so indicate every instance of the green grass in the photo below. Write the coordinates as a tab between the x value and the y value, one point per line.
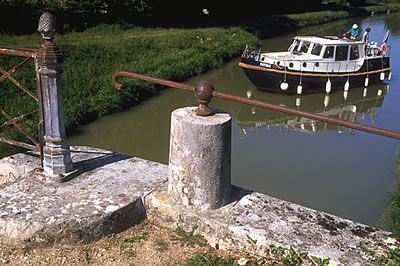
165	53
206	260
316	18
383	7
391	217
91	58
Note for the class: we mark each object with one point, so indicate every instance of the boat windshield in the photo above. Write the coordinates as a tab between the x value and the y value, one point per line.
300	46
295	46
304	45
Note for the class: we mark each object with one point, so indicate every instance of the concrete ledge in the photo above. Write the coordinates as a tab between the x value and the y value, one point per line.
106	197
115	191
18	164
270	221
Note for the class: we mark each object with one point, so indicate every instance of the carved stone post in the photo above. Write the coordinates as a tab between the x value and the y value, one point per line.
57	157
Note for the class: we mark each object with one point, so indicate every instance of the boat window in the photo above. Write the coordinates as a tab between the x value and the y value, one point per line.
316	50
341	53
329	52
304	46
354	54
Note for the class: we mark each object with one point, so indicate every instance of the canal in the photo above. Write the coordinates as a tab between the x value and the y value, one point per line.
326	167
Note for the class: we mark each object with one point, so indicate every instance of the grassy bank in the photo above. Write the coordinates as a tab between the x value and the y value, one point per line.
175	54
391	216
274	25
91	57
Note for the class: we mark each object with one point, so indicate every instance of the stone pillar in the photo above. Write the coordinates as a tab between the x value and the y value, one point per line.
200	158
57	158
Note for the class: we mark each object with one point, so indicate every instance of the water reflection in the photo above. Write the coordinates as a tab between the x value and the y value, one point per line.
357	105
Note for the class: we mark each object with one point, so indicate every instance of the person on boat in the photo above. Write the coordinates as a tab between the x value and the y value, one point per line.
353	32
365	39
366	35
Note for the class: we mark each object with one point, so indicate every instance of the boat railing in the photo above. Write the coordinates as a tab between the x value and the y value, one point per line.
318	65
204	95
374	51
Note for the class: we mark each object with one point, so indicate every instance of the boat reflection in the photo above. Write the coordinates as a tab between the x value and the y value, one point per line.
356	105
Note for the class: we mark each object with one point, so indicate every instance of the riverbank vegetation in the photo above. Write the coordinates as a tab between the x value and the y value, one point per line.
391	216
94	53
91	57
79	15
330	10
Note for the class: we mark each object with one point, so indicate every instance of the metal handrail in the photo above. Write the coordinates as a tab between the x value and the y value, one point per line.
29	54
25	52
274	107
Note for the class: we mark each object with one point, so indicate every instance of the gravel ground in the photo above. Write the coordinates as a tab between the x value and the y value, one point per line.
143	244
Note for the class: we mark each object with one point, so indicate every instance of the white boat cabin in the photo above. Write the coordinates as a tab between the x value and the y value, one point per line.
316	54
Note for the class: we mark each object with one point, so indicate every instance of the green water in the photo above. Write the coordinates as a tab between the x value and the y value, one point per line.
343	172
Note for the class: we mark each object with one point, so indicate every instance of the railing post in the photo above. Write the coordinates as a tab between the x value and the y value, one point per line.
200	154
57	157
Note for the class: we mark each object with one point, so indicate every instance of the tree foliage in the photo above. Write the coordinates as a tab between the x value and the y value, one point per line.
21	16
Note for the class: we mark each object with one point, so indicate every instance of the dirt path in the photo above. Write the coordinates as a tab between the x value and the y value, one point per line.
144	244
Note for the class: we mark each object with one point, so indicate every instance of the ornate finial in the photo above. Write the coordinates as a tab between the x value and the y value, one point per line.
47	26
203	93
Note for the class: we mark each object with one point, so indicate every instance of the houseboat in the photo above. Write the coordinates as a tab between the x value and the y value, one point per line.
318	64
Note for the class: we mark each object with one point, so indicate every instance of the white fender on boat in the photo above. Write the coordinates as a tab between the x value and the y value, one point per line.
347	85
379	92
328	86
387	87
345	94
253	110
284	86
390	75
298	102
249	93
366	82
299	89
382	76
326	100
314	128
365	92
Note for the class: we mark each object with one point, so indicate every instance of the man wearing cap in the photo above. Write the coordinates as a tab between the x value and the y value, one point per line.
353	32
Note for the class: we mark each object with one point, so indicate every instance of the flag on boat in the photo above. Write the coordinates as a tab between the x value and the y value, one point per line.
382	47
244	54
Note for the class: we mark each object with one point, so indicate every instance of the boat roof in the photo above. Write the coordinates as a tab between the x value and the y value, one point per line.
332	40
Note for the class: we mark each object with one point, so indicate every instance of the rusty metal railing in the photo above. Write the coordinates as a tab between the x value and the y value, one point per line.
204	91
29	54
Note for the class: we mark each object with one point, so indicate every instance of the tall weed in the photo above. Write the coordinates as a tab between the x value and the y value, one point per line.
391	217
